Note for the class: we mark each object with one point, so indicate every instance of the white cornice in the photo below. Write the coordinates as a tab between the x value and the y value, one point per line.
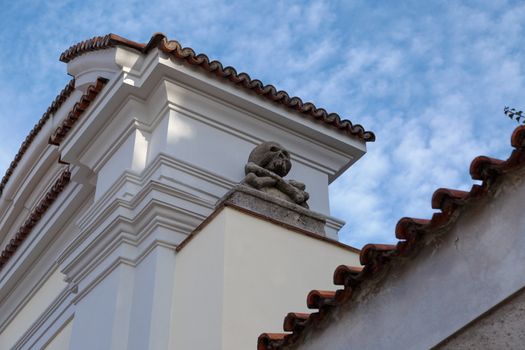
156	212
130	189
28	190
253	103
42	234
157	66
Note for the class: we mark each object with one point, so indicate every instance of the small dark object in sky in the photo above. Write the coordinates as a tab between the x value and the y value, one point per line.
512	113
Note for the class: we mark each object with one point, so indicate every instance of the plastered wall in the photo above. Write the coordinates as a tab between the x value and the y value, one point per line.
241	275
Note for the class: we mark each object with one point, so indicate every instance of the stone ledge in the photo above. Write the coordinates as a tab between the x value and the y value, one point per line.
274	208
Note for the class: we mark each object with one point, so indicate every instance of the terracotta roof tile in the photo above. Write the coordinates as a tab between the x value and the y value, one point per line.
270	341
57	137
517	139
98	43
451	203
55	105
318	298
376	254
294	320
481	165
406	227
33	218
446	196
78	109
188	56
345	275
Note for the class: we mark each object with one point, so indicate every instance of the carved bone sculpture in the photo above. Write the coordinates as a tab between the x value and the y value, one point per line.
267	164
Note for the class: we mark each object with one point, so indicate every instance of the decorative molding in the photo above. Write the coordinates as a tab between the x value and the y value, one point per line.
127	222
113	264
78	109
40	249
35	216
149	175
26	189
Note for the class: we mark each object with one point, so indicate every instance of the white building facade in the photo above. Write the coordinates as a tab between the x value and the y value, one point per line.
129	161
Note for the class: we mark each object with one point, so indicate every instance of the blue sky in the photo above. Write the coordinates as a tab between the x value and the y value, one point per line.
430	78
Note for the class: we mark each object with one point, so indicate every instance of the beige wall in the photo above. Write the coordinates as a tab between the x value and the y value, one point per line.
198	290
241	275
61	340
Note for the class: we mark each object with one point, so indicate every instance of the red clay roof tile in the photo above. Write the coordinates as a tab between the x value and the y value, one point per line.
57	137
376	253
407	226
98	43
345	275
65	126
317	298
270	341
480	166
294	320
33	218
443	196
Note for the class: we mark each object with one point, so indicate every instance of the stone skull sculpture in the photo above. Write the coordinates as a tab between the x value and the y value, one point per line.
273	157
267	164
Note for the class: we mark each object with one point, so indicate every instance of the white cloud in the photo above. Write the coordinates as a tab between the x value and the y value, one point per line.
430	82
466	78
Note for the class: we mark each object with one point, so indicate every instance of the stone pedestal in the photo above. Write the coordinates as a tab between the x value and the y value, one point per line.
274	209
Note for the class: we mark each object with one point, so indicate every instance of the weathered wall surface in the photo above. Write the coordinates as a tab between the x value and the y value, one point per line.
501	328
452	281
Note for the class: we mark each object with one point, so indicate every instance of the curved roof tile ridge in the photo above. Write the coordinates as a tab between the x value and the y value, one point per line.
377	257
56	137
98	43
188	55
76	112
55	105
34	217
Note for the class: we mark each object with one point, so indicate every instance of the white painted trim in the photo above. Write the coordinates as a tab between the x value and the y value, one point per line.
45	317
